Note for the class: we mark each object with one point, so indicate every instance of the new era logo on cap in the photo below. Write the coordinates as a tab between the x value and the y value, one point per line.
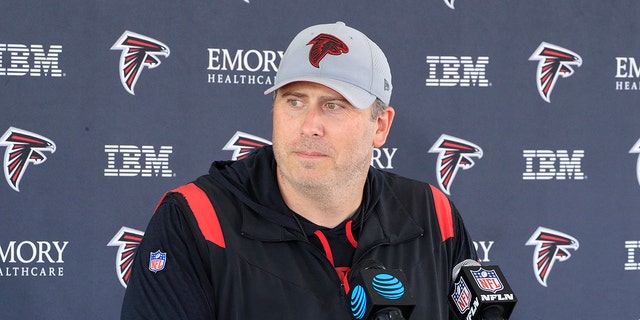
341	58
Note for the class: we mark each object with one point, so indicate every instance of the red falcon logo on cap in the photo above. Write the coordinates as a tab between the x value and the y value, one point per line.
551	246
138	51
553	62
23	147
453	154
324	44
127	240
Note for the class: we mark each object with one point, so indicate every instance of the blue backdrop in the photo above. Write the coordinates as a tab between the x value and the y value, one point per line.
546	91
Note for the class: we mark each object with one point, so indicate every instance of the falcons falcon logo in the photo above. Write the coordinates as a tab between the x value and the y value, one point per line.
23	147
551	246
453	154
553	62
127	241
243	143
324	44
636	149
449	3
138	51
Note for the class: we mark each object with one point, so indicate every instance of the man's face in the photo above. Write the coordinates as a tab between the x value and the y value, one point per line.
319	139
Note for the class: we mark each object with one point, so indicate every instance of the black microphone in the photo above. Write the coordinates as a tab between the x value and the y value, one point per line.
378	293
480	292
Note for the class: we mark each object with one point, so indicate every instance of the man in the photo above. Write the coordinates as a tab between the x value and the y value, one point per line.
275	236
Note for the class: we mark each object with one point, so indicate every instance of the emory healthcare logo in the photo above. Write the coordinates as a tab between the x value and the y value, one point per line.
453	154
138	51
553	62
127	240
551	246
23	147
27	258
243	67
636	149
627	73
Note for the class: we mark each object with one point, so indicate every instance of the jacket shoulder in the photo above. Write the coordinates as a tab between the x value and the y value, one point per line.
196	200
424	195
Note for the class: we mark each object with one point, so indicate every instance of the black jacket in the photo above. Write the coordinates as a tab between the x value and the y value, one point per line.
261	264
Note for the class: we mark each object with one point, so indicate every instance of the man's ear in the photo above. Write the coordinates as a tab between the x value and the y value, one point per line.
384	121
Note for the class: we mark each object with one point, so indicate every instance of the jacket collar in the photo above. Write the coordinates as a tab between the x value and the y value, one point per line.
390	224
267	218
387	223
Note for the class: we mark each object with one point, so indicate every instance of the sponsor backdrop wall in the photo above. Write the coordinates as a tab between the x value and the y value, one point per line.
524	112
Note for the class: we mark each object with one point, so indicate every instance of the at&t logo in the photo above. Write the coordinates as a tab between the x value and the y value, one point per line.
549	164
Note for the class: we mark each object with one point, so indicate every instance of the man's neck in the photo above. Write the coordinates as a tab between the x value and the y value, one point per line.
327	207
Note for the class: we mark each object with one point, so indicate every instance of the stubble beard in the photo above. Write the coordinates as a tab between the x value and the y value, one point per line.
325	188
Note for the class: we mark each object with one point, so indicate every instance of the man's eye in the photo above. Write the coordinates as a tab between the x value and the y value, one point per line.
295	103
333	106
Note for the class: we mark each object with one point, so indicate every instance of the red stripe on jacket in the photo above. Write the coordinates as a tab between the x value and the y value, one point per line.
443	211
203	211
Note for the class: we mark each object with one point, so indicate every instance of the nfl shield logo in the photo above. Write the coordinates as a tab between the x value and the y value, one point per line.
487	280
157	261
461	296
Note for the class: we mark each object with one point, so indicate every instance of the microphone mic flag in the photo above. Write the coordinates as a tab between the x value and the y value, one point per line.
480	292
379	293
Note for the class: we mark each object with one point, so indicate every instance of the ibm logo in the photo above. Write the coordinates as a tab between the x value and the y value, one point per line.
449	71
547	165
632	264
131	161
20	60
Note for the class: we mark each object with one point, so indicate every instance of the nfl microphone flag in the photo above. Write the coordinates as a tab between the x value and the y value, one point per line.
481	290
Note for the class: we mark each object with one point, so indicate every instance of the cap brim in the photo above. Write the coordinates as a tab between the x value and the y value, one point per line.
357	96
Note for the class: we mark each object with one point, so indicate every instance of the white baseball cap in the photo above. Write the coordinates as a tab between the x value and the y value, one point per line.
341	58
